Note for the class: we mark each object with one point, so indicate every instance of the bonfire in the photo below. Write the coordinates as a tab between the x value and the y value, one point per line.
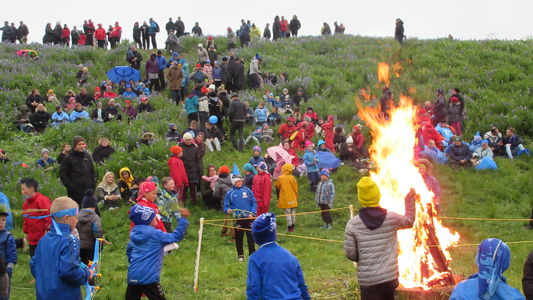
424	256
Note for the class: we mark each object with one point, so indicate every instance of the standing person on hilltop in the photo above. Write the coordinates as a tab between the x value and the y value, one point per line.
100	35
137	35
89	29
294	26
170	26
22	33
180	27
65	36
153	29
116	34
399	34
75	35
371	241
244	34
58	31
267	35
284	27
276	29
197	30
231	38
144	36
326	30
77	171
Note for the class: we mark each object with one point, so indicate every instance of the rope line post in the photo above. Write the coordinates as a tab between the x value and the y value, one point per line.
351	211
198	252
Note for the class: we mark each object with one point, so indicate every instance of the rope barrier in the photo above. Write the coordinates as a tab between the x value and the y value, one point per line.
296	214
483	219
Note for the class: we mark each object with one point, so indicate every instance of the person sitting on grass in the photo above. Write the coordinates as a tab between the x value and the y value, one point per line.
371	241
145	252
493	258
273	272
45	162
79	114
513	143
324	197
495	139
56	266
8	250
108	191
482	152
240	202
125	183
458	153
214	137
89	228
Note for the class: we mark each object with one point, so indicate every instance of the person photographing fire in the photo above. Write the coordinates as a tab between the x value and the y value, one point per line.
371	241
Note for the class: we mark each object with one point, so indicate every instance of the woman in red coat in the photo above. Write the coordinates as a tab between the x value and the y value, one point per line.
262	188
177	171
430	133
329	133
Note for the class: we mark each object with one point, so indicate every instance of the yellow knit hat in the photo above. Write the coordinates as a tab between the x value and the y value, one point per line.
368	192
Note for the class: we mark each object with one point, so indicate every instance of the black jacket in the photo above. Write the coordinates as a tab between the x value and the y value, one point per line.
399	31
527	280
39	120
237	111
180	28
136	32
102	153
191	161
32	98
77	172
85	100
170	25
294	25
144	107
266	33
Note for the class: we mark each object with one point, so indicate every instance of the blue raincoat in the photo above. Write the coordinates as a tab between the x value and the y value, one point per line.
493	258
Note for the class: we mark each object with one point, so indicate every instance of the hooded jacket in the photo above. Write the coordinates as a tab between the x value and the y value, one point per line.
222	186
89	227
288	188
125	185
174	76
371	241
145	251
274	273
77	171
56	266
191	161
36	228
325	193
311	161
241	200
262	188
8	248
177	171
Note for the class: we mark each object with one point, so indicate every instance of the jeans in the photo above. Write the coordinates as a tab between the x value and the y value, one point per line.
162	83
237	126
326	214
212	142
101	43
239	237
251	137
313	180
176	96
515	150
154	43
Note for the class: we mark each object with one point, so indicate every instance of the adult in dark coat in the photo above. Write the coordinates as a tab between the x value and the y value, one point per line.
40	118
439	108
103	151
191	161
399	31
459	153
144	36
48	34
58	31
22	33
276	28
33	100
294	26
238	76
77	172
134	58
180	27
137	35
170	26
84	98
527	279
266	32
237	117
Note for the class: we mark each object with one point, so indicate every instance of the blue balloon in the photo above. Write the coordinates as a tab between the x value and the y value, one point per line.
213	120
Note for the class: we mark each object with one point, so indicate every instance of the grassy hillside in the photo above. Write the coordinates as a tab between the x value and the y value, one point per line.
494	76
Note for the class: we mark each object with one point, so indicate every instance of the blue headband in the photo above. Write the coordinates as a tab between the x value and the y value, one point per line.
65	212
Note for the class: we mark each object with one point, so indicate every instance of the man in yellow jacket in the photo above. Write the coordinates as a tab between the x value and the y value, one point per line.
288	194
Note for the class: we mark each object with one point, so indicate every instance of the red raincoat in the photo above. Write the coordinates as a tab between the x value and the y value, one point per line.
262	188
35	229
329	133
178	172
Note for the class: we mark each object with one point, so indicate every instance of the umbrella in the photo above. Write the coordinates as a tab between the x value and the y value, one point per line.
327	160
276	151
125	73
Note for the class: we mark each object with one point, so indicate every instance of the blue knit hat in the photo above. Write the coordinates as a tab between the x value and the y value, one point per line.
257	148
320	142
324	172
264	228
141	215
262	166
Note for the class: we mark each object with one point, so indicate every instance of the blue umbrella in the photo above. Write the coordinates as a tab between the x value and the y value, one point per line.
125	73
327	160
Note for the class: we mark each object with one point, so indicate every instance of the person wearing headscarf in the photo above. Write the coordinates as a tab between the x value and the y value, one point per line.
250	173
273	272
125	182
492	259
372	242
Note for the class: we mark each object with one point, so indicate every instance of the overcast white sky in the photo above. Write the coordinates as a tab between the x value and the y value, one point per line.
464	19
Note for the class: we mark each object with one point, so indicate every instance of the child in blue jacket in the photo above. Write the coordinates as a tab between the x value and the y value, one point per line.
145	252
273	272
8	251
311	163
240	202
56	264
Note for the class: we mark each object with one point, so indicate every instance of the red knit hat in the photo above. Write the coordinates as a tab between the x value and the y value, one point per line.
198	65
176	150
223	169
204	90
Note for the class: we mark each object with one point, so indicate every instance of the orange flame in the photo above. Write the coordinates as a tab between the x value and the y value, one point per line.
365	93
397	69
396	173
384	73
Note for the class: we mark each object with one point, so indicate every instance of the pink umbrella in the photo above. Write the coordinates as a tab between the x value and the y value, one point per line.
278	151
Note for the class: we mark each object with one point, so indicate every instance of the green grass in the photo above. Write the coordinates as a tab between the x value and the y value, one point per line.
492	74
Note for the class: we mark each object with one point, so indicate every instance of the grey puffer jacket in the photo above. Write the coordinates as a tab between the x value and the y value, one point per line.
222	186
89	227
376	250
